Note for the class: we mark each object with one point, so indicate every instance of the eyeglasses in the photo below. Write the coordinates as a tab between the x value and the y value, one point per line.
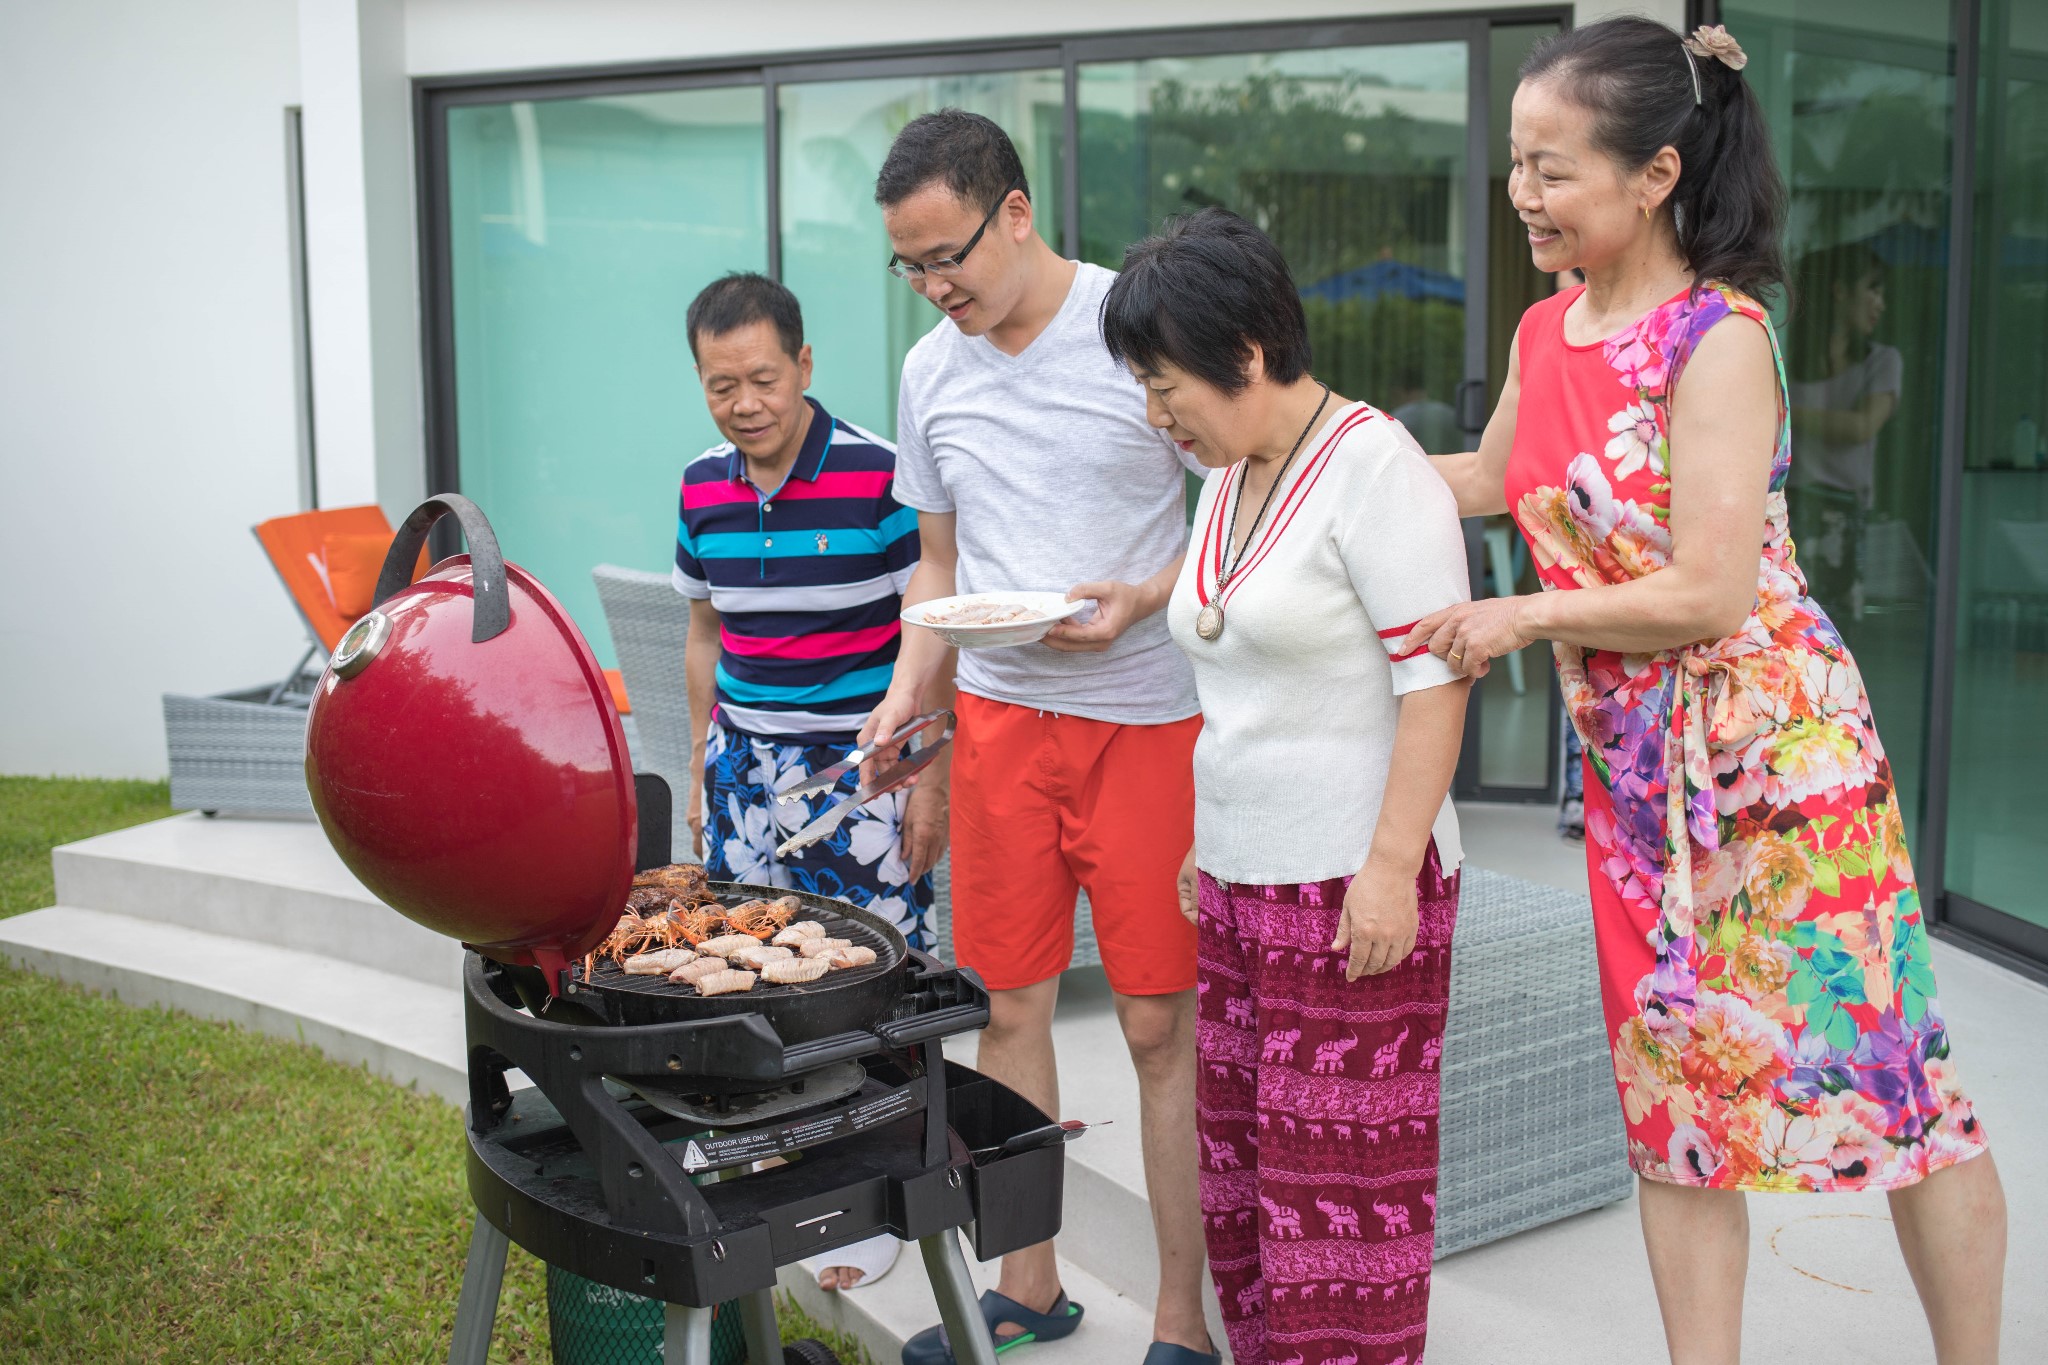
950	265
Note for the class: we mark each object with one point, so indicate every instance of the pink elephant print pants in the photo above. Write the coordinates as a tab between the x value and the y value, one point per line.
1317	1111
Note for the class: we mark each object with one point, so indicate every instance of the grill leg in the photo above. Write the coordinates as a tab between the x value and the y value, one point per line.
477	1310
685	1335
959	1308
764	1338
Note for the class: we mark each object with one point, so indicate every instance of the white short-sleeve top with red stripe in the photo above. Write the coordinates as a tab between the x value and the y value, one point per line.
1299	693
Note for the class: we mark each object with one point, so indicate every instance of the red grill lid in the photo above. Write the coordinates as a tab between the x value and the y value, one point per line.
466	760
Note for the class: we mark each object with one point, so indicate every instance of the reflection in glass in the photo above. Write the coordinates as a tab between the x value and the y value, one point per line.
860	320
1351	158
1997	853
1520	712
579	231
1860	103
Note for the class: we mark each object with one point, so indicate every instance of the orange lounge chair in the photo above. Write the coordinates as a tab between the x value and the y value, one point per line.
329	559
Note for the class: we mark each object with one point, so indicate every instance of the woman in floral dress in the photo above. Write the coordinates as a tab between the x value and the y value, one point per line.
1763	956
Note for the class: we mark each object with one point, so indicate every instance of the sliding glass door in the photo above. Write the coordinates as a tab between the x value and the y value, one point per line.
578	232
861	320
1997	863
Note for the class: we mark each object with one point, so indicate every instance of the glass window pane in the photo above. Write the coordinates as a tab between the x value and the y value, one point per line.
1521	716
1860	104
1996	853
860	320
1352	158
579	231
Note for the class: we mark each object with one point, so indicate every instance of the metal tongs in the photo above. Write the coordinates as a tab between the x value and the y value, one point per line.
1051	1135
884	782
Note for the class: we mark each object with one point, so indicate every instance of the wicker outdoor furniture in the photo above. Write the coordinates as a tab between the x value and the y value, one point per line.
1531	1127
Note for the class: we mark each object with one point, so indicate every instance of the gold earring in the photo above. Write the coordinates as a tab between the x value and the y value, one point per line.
1646	213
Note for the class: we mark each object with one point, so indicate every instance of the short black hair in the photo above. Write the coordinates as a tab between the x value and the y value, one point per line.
732	301
970	155
1200	295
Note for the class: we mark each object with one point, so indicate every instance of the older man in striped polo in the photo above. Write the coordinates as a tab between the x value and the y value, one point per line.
794	553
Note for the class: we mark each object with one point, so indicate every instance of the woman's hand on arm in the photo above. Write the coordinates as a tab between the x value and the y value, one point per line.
700	678
1724	433
1378	925
1479	477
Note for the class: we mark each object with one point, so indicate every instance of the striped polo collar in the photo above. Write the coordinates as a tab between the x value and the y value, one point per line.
817	444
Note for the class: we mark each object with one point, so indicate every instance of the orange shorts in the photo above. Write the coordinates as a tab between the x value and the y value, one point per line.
1044	805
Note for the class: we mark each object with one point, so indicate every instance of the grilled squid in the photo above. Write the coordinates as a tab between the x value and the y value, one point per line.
725	983
690	972
794	971
659	964
817	947
725	943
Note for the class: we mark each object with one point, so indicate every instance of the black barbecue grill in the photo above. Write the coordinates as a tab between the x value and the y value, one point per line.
683	1148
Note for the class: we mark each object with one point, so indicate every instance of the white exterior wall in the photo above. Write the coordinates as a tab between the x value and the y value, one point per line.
445	37
146	405
147	412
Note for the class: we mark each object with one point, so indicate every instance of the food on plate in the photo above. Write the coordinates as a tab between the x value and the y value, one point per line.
659	963
690	973
758	955
794	971
818	947
982	614
841	959
724	944
800	932
725	983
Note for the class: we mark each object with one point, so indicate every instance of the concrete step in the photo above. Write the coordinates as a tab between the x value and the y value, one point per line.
275	882
883	1315
400	1028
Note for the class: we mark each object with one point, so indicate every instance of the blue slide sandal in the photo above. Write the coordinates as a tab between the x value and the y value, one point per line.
930	1346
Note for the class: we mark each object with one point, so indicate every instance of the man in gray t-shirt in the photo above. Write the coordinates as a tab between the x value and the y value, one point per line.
1026	452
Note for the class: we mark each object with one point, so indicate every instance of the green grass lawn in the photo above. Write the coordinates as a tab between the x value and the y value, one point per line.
176	1190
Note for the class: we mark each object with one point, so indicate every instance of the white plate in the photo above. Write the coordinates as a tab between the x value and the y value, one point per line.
1053	607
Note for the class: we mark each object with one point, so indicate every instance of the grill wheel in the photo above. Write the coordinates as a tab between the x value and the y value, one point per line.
809	1351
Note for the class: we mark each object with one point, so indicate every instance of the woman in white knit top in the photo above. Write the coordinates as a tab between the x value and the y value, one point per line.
1323	880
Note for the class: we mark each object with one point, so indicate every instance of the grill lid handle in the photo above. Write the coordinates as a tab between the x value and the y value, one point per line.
491	611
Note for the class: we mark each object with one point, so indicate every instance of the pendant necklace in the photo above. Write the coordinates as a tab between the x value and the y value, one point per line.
1209	620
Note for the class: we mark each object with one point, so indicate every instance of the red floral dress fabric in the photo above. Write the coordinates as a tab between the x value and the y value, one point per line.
1763	961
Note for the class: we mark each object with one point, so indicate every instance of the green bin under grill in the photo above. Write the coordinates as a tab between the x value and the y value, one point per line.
593	1324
